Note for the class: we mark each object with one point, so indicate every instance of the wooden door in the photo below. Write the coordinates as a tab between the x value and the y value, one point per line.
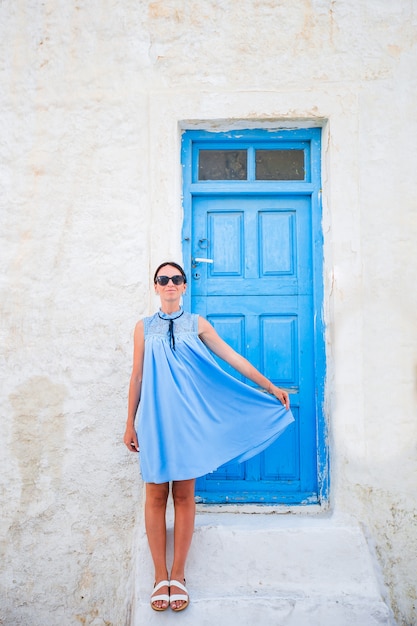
251	265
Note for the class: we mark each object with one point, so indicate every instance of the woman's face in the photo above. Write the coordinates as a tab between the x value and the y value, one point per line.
169	292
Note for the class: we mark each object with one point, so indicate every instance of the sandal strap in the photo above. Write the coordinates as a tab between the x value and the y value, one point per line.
178	596
176	583
163	596
163	583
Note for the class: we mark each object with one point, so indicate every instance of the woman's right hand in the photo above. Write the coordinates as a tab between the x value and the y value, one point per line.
131	439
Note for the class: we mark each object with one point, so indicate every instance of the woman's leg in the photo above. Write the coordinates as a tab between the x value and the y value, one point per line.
184	506
155	523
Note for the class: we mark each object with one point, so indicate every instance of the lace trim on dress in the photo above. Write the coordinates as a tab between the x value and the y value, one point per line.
169	318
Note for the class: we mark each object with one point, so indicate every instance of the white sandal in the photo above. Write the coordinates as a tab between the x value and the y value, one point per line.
164	597
184	597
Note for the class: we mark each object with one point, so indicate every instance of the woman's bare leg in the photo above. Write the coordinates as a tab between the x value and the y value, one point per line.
184	506
155	523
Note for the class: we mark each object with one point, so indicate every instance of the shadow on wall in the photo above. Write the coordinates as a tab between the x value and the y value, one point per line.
38	436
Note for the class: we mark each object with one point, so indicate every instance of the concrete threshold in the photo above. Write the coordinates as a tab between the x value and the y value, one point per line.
274	569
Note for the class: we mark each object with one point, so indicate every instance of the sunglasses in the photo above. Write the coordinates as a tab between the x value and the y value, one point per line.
164	280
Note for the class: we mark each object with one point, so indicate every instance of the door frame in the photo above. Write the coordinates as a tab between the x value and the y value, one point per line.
311	186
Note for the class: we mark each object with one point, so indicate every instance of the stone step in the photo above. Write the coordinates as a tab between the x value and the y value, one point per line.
277	570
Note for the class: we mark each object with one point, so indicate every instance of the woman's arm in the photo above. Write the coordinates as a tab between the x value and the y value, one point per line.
222	349
130	437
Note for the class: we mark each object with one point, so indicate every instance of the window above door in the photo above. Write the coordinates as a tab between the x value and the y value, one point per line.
252	163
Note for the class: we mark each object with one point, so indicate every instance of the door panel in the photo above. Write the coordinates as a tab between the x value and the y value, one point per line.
276	242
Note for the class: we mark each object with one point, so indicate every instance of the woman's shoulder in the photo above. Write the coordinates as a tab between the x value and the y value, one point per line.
142	325
189	322
193	316
148	320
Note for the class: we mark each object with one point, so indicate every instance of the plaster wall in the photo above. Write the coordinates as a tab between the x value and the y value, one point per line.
93	99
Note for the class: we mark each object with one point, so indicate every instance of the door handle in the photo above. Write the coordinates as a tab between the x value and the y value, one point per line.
197	260
200	260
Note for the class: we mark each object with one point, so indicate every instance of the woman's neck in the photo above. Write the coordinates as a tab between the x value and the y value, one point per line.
170	309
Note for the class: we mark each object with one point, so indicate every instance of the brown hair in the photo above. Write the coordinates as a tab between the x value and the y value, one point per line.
178	267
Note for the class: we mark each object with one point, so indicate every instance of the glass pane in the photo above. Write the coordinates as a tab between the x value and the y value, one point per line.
280	165
222	165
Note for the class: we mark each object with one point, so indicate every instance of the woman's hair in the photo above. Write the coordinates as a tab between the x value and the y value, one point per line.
178	267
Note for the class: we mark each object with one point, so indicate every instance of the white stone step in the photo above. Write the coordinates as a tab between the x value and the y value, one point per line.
277	570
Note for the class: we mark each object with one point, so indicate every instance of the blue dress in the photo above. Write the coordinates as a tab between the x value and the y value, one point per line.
193	416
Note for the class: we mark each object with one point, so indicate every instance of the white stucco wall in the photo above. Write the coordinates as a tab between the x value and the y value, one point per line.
93	97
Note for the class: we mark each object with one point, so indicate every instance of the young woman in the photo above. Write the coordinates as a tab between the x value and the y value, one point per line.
193	417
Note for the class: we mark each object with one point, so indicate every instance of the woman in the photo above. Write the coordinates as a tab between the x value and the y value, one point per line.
193	417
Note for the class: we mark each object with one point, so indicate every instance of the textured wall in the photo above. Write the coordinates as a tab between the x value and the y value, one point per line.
93	94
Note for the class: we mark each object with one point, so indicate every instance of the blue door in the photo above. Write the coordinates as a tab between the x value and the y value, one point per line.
252	249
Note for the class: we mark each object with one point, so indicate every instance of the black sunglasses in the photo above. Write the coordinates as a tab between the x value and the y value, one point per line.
164	280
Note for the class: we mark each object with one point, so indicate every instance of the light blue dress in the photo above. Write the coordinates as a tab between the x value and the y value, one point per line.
193	417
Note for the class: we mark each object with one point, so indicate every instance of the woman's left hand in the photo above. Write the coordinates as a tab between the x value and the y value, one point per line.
281	395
